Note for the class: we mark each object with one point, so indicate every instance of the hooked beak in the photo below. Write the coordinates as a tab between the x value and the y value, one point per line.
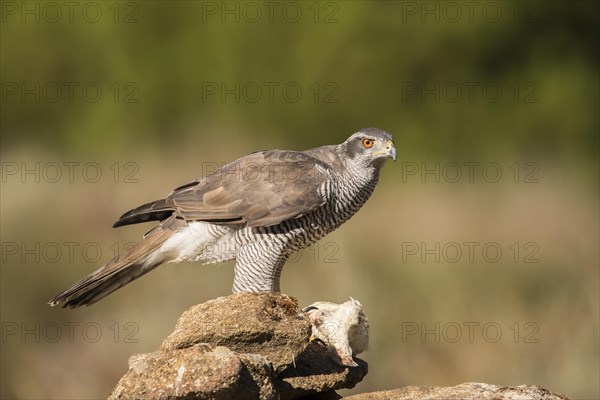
391	150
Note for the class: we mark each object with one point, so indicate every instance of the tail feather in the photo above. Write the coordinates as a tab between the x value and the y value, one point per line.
86	294
153	211
117	273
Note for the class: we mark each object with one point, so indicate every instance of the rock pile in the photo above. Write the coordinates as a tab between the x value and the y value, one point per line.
243	346
252	346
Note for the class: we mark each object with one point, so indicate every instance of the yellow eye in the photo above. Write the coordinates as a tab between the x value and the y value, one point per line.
368	143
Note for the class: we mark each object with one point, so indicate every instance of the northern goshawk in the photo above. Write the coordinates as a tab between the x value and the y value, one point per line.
257	210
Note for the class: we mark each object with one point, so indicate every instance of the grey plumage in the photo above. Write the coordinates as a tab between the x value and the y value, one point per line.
257	210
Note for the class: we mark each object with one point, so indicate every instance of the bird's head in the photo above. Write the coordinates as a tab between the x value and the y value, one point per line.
370	146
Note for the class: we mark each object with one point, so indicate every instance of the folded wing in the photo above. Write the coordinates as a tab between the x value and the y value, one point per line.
261	189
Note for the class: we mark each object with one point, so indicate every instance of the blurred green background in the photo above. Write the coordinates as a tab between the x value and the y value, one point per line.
108	105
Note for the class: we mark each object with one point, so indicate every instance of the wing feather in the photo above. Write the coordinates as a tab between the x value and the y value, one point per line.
261	189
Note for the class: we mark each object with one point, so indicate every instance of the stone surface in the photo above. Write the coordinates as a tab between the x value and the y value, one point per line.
464	391
258	346
243	346
316	370
201	371
268	324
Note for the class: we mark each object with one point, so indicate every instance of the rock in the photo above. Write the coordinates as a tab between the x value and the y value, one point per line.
201	372
317	370
464	391
243	346
258	346
323	396
269	324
